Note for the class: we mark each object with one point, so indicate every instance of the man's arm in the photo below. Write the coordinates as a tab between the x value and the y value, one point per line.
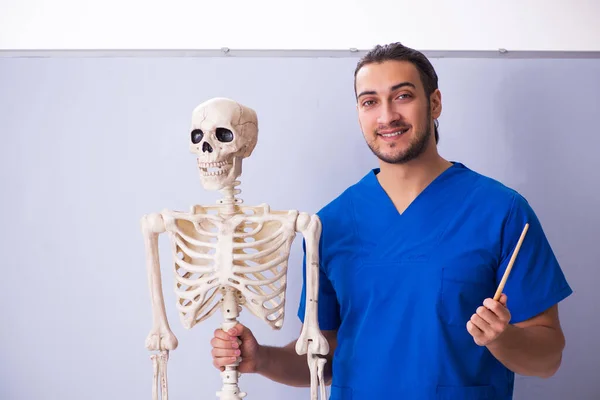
280	364
533	347
284	365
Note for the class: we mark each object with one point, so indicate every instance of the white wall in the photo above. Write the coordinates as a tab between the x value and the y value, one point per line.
89	145
439	25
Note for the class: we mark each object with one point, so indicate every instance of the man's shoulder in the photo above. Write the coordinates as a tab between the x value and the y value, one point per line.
339	205
493	192
338	212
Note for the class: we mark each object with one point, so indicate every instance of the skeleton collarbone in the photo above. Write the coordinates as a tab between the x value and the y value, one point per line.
246	252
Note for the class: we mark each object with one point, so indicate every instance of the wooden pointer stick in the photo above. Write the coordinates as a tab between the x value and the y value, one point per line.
510	264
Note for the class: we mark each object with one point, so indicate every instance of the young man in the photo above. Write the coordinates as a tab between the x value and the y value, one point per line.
411	257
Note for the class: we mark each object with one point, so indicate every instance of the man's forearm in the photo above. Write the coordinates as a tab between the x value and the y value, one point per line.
284	365
534	350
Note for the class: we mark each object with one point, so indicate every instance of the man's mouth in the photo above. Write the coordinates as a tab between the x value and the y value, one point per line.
214	168
397	132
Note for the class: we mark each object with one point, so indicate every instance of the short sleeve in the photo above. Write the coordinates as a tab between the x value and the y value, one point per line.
328	307
536	281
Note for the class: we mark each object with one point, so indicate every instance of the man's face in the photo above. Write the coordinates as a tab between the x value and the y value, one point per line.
394	112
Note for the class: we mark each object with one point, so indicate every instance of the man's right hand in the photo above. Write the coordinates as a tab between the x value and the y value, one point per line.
226	349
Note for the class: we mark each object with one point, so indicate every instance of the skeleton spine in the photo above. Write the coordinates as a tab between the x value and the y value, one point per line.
230	199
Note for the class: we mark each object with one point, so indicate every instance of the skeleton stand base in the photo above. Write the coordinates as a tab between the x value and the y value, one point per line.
230	309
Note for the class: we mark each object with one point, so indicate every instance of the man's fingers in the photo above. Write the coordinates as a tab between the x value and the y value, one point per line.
479	322
219	366
478	335
489	320
238	330
473	329
219	333
223	361
503	299
475	332
497	308
240	333
487	315
224	344
218	353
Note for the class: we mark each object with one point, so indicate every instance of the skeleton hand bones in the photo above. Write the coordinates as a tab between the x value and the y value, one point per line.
313	343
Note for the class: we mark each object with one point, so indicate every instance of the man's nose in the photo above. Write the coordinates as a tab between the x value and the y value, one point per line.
388	114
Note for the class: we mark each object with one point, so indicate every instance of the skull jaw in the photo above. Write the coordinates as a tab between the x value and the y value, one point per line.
218	182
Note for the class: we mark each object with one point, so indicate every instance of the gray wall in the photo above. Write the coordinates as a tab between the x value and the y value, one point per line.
91	144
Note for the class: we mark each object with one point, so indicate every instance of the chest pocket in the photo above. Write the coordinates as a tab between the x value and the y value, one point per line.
463	289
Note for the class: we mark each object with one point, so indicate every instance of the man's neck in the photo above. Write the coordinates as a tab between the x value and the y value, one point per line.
404	182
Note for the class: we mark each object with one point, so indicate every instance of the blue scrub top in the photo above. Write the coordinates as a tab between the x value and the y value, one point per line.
400	288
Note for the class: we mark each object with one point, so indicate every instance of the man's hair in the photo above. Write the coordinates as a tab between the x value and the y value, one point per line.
398	52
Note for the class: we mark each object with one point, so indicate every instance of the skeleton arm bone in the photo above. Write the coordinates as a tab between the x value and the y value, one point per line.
311	337
160	337
288	365
311	340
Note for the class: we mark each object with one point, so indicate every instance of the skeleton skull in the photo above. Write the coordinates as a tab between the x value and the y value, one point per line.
223	133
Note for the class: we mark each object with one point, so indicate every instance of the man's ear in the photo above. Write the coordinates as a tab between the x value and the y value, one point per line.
435	102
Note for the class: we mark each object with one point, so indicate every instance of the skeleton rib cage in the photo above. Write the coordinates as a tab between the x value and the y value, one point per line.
248	251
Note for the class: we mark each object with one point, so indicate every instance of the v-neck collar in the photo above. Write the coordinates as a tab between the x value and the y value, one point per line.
376	215
382	199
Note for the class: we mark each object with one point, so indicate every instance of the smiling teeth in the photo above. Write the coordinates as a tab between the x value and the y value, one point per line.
394	134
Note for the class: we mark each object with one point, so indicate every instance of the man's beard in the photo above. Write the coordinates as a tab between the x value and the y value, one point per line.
415	148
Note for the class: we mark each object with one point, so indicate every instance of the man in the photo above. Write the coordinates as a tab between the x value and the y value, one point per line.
411	256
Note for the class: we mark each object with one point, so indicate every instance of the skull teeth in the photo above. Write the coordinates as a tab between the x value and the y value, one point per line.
212	164
214	173
213	168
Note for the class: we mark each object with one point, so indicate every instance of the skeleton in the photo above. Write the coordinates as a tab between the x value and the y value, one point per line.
227	255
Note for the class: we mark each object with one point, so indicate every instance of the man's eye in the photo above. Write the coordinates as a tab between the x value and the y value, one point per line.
367	103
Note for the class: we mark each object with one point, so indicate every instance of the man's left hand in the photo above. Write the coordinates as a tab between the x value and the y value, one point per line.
489	321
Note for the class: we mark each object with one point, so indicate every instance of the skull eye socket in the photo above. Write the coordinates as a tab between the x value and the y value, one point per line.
224	135
197	136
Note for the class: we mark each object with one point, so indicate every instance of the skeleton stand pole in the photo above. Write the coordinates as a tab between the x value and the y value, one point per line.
230	389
